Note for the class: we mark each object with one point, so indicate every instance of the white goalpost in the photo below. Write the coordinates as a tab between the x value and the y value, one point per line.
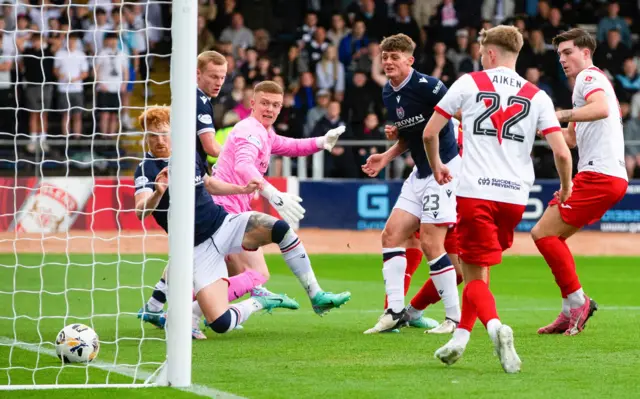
71	250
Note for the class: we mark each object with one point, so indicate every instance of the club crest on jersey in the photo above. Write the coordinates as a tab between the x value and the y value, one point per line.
589	78
400	112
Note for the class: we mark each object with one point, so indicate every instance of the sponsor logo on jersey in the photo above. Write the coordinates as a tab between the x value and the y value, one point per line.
409	122
423	80
255	141
203	99
437	88
398	99
141	181
205	118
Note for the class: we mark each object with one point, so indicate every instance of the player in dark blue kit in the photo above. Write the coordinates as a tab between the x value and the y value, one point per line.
409	98
216	233
212	71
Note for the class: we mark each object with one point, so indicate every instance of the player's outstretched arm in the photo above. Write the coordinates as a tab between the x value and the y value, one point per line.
289	147
595	109
218	187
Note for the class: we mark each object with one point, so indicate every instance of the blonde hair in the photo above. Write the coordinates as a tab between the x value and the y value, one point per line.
399	42
154	117
268	86
508	38
326	63
207	57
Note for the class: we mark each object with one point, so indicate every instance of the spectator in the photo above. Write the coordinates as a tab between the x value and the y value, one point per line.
71	69
460	52
542	17
404	23
632	151
424	10
289	122
306	31
323	97
235	95
533	76
305	95
536	53
627	83
264	69
94	37
371	130
340	162
243	109
446	21
315	49
330	73
36	65
293	66
472	64
438	66
360	99
206	41
250	68
338	30
223	17
610	56
554	26
136	41
261	38
354	45
237	33
112	69
366	62
613	21
493	11
374	19
7	99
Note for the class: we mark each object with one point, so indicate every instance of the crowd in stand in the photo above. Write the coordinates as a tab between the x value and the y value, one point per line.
324	52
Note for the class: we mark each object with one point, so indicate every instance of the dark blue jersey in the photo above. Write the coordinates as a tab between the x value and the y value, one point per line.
208	216
409	107
204	121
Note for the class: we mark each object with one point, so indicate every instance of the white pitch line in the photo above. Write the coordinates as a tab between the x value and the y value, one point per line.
196	389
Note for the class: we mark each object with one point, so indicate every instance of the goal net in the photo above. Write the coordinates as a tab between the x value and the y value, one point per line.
73	78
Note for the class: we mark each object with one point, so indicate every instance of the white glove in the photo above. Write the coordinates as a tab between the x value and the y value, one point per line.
287	205
329	140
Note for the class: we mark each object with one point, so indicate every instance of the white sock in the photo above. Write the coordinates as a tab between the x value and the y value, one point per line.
444	278
154	305
298	261
33	137
576	299
196	315
244	309
566	307
414	313
492	328
461	336
393	269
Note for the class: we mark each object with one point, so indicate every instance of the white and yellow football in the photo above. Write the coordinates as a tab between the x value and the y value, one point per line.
77	343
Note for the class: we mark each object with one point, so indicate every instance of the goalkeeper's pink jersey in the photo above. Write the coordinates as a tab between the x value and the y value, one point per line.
246	154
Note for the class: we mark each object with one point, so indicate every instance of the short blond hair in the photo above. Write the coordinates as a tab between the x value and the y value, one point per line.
399	42
207	57
268	86
154	117
508	38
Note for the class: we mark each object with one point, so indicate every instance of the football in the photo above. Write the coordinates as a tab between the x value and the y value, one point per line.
77	343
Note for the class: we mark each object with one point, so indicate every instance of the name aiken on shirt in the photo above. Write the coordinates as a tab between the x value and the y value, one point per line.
507	80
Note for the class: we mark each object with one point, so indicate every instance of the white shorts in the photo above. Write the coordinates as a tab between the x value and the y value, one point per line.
208	257
429	201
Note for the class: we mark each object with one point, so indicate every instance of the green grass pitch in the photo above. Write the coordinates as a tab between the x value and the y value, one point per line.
296	354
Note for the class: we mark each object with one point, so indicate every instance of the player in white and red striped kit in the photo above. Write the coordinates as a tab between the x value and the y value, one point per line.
501	113
595	126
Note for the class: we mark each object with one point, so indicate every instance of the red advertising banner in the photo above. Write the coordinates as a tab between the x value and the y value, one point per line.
82	203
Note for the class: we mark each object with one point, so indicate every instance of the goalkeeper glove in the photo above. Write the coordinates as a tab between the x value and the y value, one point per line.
329	140
287	205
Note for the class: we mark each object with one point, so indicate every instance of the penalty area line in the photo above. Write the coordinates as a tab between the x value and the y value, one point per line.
195	389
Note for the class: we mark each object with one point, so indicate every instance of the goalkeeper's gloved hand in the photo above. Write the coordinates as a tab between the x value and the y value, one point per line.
329	140
287	205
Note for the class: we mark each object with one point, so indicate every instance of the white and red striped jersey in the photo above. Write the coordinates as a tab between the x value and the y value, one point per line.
501	113
601	142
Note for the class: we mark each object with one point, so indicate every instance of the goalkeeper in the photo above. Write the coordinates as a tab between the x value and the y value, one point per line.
245	156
